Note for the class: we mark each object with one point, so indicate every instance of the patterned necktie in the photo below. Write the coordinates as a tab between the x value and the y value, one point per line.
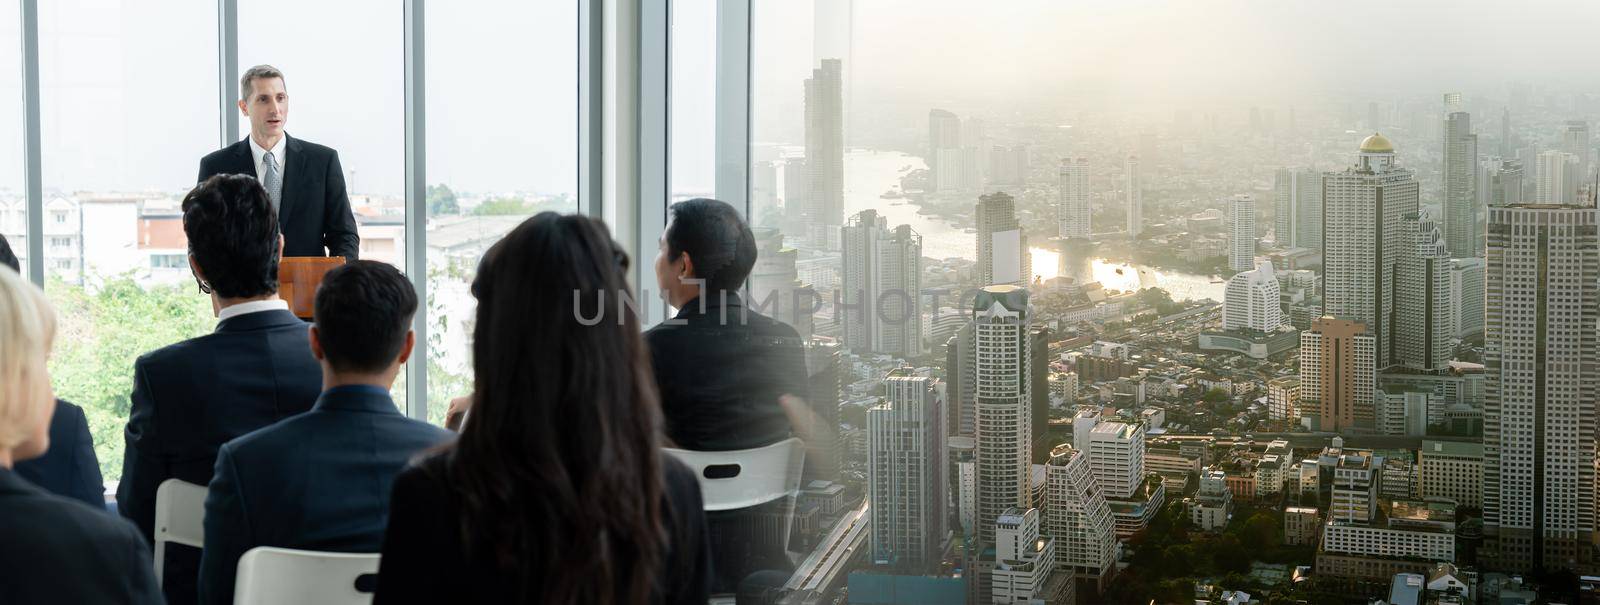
273	181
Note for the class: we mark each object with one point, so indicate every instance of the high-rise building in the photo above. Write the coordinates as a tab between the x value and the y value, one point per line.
776	289
1072	211
1241	232
961	381
1133	186
825	380
1466	296
1365	239
1039	375
1297	207
1422	299
1283	398
906	449
1002	397
1460	182
1079	519
823	211
1507	146
944	134
1575	140
1508	184
1540	354
1116	457
1251	301
1355	486
882	274
1003	256
1337	374
1558	178
1024	561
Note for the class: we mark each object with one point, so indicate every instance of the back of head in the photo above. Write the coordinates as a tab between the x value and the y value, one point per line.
233	235
27	329
717	239
363	312
559	466
7	257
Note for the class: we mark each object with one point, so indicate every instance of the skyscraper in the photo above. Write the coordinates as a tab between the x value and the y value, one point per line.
1133	185
1003	256
1337	372
1002	400
1297	208
1540	354
1575	140
1466	296
1558	178
906	472
1508	184
1251	301
1079	519
1241	232
1072	212
823	211
944	133
1460	181
1422	298
882	273
961	381
1364	240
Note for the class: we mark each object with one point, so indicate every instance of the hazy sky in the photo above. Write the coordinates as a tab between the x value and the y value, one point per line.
130	87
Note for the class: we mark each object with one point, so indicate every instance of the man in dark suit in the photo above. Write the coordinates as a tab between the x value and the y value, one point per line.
70	467
255	369
321	480
725	372
303	179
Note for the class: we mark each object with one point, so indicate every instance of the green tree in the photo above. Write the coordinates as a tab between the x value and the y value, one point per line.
1260	532
1215	396
503	206
100	333
441	200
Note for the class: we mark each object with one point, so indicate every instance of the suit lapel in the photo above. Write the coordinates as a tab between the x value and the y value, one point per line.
294	181
243	162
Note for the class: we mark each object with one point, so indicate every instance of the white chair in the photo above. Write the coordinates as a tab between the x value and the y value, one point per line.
284	576
180	518
745	478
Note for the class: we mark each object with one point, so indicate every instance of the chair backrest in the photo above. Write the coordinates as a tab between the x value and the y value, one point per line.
745	478
284	576
180	518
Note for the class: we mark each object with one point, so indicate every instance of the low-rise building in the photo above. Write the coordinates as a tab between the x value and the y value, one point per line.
1300	525
1452	470
1210	507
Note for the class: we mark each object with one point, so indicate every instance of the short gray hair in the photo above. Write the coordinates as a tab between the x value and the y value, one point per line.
259	72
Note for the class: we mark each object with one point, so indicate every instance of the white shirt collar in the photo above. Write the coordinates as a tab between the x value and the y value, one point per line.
254	306
279	153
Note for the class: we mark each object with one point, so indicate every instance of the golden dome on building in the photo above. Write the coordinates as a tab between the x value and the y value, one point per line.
1376	143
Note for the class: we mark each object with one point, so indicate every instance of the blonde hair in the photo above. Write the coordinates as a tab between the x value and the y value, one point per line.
27	330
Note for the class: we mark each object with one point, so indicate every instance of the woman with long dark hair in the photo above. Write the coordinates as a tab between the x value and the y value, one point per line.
557	490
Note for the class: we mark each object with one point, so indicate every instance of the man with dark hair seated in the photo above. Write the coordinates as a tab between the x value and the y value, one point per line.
69	468
255	369
725	372
321	480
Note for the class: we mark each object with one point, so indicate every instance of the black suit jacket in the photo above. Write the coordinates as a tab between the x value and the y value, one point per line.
56	550
191	397
315	217
721	370
70	468
317	481
425	559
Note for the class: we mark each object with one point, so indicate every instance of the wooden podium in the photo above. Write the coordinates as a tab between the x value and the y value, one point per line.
298	278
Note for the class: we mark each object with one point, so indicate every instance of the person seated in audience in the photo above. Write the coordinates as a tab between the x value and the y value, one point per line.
725	371
557	490
70	468
321	480
255	369
52	549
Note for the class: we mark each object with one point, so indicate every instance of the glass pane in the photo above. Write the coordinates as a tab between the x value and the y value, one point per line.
345	75
502	146
13	206
125	116
692	123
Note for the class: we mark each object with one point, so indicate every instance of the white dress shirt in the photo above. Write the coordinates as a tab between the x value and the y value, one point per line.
254	306
279	152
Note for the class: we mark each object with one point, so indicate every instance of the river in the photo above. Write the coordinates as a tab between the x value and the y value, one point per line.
868	174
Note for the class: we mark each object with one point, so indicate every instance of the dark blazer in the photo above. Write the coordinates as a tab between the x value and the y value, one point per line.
317	481
70	468
424	560
57	550
315	217
721	371
191	397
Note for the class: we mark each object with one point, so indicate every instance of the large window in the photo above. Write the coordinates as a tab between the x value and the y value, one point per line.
125	117
502	146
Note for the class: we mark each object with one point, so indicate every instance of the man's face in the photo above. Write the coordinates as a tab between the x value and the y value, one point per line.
268	107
